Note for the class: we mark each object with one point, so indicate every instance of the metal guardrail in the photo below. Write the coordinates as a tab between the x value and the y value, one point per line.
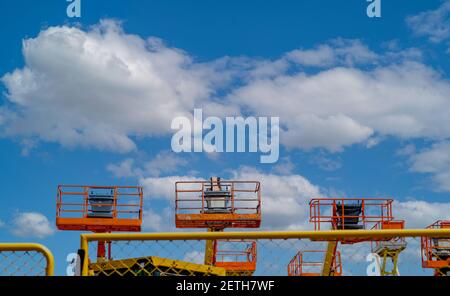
24	250
160	241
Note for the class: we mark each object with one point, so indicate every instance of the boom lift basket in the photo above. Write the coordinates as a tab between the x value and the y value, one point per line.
217	204
310	263
436	251
349	213
99	208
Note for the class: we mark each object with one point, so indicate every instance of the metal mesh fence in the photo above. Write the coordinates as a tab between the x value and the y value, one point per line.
25	260
258	257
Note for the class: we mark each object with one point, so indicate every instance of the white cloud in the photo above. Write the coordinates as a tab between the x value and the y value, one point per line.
162	221
284	167
27	146
420	213
340	51
434	24
407	150
285	199
163	187
434	161
326	163
125	169
164	162
339	107
99	88
102	88
30	225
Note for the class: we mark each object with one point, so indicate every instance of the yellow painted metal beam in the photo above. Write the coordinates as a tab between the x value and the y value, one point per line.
391	255
209	250
329	258
85	261
29	247
313	235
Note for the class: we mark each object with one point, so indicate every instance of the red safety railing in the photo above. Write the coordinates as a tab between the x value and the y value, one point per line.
349	213
241	204
99	208
310	263
436	251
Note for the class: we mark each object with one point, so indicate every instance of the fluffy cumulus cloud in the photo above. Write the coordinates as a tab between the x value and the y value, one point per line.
340	51
163	187
125	169
285	203
158	221
420	213
98	88
434	24
31	225
101	87
104	88
163	163
436	162
342	106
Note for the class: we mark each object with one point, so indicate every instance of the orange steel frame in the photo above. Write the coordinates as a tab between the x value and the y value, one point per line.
120	208
324	210
429	260
195	216
243	260
298	263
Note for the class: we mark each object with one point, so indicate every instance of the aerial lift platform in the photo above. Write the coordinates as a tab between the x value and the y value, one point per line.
436	251
217	205
355	214
311	262
389	250
104	209
100	209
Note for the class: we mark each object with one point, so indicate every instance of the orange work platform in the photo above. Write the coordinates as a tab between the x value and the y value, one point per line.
436	251
311	262
391	244
217	204
99	208
237	257
350	213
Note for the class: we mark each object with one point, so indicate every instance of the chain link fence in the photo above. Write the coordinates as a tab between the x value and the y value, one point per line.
25	260
258	254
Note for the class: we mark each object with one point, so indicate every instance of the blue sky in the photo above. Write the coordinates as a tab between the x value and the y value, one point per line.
392	143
